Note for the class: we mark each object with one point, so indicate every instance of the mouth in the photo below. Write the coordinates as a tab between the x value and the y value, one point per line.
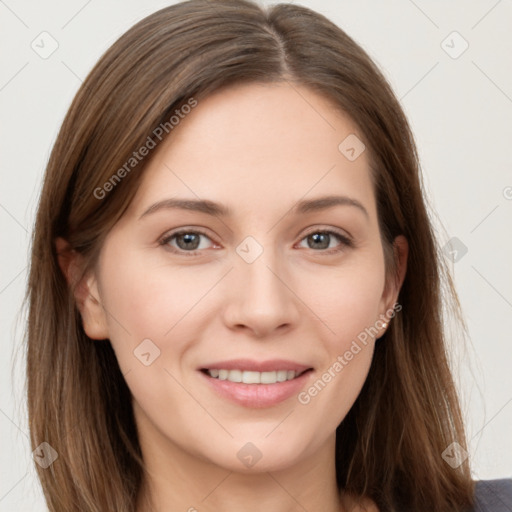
253	377
256	384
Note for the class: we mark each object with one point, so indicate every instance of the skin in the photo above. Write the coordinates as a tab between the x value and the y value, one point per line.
257	149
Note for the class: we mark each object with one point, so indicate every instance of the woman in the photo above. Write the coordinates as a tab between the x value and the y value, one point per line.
235	287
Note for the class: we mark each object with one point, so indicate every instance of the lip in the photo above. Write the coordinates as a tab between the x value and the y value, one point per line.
256	366
257	396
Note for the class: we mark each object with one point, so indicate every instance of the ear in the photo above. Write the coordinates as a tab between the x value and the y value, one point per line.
394	281
85	290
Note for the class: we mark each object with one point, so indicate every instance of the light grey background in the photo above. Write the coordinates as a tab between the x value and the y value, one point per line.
460	110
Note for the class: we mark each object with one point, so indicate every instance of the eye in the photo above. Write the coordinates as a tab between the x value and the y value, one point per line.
187	241
327	241
191	242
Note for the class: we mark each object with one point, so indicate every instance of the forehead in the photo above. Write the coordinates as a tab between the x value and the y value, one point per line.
258	144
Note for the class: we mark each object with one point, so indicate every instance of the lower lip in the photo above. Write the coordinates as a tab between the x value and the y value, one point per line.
258	395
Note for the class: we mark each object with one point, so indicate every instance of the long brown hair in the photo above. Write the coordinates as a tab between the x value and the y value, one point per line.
389	447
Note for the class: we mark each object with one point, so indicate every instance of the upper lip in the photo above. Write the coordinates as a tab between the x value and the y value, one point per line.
256	366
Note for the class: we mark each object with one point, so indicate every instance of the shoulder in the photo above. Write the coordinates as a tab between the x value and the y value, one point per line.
493	495
490	496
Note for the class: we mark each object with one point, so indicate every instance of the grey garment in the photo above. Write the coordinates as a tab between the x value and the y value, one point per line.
493	495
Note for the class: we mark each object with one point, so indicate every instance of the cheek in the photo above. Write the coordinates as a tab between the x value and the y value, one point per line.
347	300
152	315
150	303
347	304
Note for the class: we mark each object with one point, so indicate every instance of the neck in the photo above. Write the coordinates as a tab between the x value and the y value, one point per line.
176	481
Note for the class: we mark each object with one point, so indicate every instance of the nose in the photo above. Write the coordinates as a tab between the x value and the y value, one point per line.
262	301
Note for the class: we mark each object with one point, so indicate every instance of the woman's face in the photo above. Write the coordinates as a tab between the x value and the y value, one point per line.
250	252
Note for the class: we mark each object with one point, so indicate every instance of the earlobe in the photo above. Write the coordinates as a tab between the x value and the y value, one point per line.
85	290
395	282
94	319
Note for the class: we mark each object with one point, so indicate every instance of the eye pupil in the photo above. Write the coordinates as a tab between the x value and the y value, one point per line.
320	240
188	241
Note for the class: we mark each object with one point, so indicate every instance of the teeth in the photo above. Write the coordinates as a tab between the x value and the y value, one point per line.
249	377
268	377
235	376
282	375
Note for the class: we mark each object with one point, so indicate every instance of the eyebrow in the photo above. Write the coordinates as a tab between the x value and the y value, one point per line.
218	210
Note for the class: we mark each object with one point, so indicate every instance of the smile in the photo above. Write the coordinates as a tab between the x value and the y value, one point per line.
256	384
252	377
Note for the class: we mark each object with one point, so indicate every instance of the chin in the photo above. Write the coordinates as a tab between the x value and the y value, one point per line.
259	453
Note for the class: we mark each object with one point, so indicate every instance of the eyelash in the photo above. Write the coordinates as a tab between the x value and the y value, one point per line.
345	241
